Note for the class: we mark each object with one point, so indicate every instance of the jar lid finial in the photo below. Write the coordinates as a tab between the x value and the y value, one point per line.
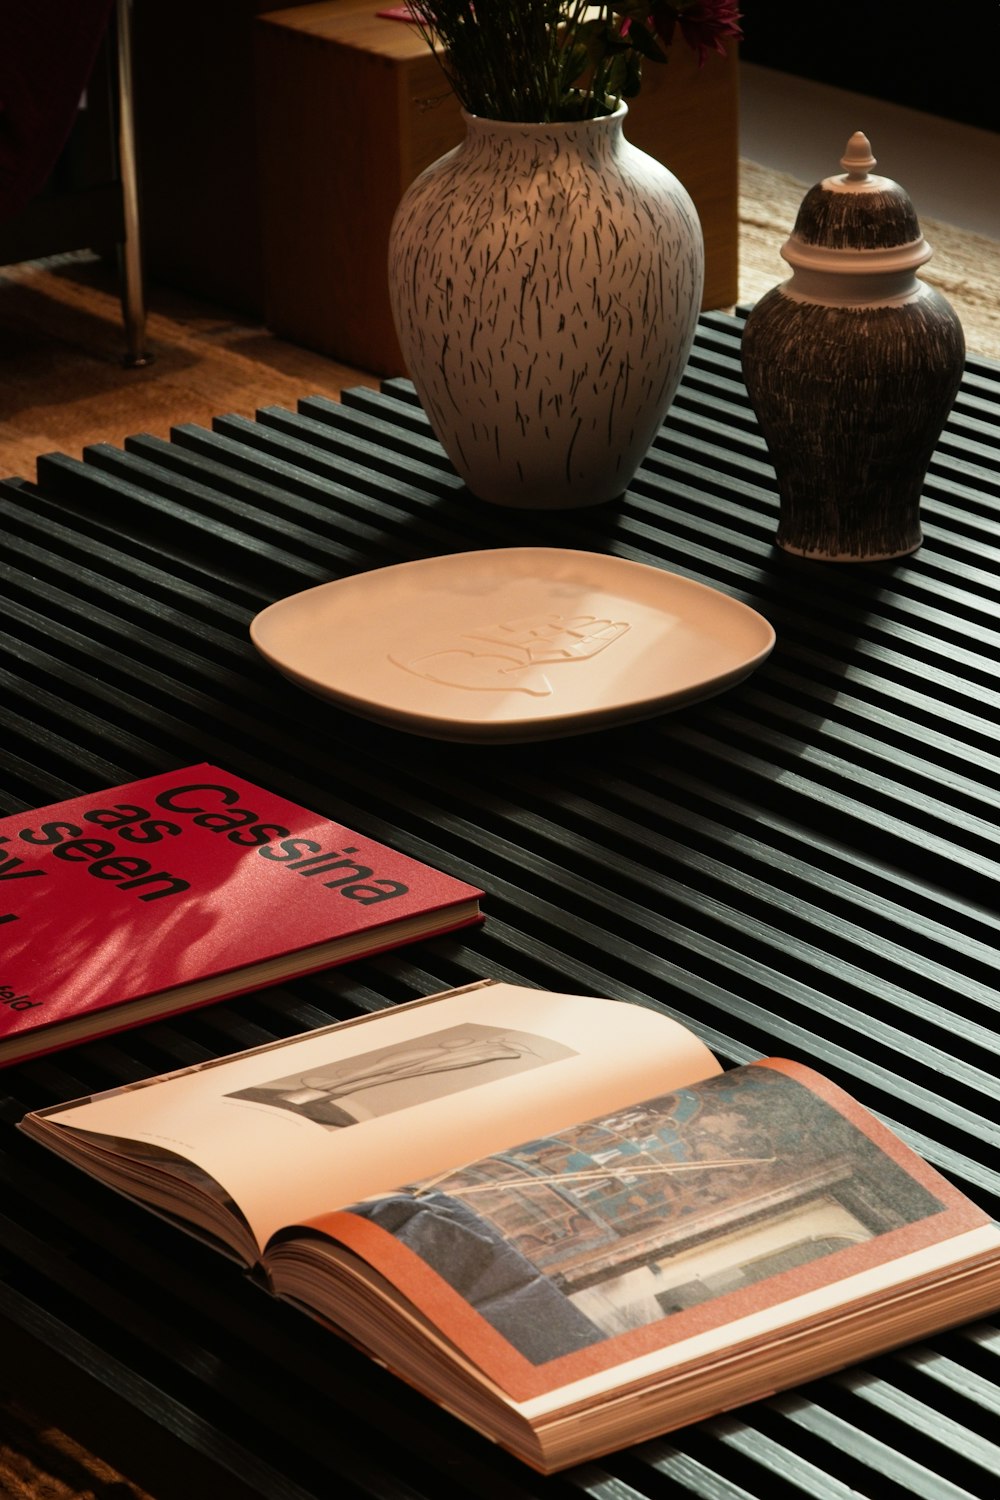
857	159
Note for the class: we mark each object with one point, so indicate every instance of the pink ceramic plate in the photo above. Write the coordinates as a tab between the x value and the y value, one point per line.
521	643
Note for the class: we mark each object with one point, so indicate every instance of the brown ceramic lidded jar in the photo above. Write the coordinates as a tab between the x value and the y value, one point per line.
852	367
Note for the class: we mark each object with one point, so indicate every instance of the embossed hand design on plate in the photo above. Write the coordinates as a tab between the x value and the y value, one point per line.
509	657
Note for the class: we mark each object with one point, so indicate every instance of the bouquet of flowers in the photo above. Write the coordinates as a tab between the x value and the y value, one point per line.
543	60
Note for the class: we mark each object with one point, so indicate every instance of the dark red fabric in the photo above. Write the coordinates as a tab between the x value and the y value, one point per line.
47	51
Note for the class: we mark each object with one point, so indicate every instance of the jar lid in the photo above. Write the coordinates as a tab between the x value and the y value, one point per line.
856	221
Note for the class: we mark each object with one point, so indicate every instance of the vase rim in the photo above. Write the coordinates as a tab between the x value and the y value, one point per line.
616	114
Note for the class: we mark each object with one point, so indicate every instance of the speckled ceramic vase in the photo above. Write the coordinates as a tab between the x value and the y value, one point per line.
852	366
545	283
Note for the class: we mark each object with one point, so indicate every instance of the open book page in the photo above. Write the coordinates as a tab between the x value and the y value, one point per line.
662	1232
305	1126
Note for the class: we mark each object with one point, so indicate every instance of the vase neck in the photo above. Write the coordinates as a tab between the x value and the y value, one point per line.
597	138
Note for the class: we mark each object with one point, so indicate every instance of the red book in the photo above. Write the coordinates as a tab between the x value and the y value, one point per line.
151	898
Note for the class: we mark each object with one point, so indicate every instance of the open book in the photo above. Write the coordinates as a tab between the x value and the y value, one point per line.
554	1215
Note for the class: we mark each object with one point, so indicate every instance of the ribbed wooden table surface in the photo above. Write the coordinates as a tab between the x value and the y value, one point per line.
805	865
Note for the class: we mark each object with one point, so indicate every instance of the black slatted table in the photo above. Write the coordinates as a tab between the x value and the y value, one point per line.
804	865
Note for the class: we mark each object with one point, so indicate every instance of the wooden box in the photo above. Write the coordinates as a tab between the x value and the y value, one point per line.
352	106
688	117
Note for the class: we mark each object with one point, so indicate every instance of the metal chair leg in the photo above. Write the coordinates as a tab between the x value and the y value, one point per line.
133	290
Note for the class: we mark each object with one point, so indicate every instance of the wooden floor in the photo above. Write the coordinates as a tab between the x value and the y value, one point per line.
38	1462
62	379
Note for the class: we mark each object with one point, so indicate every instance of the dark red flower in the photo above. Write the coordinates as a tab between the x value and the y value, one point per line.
705	23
